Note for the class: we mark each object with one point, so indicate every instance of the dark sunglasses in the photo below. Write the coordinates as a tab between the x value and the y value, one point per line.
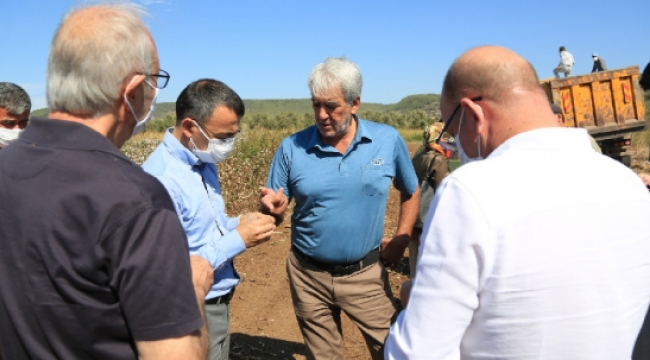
448	145
10	124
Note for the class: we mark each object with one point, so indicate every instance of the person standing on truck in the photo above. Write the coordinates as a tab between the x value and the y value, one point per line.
566	63
537	247
339	172
15	105
208	114
94	262
599	63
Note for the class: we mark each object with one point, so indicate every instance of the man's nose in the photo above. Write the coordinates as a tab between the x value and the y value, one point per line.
321	113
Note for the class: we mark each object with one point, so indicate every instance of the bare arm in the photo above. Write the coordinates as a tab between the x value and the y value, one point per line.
193	346
392	250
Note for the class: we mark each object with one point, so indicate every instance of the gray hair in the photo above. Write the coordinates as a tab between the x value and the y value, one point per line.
336	73
14	99
92	54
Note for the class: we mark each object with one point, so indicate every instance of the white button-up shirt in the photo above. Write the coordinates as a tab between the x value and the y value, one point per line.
541	251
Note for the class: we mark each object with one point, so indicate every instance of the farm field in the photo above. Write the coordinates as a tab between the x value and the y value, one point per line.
263	325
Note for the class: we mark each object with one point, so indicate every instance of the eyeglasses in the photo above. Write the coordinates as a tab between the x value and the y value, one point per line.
451	145
215	136
10	124
161	76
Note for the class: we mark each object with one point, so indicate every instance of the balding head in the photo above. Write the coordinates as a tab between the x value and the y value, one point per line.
491	72
499	94
93	51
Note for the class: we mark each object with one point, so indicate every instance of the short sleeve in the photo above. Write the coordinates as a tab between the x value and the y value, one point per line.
279	171
151	275
406	180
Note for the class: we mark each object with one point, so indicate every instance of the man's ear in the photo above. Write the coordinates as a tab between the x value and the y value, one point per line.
355	105
131	86
187	126
475	110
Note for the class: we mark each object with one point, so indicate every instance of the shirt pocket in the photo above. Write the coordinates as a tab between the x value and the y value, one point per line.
376	179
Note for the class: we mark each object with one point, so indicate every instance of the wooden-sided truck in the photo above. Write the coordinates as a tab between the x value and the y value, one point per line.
609	104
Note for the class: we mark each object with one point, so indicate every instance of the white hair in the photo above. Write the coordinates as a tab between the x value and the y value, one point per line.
336	73
90	58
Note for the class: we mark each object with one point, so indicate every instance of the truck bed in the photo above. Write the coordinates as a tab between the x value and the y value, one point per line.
609	104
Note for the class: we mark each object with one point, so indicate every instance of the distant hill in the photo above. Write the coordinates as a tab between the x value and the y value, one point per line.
429	103
271	107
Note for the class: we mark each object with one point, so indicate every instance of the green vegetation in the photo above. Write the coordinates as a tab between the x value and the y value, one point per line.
412	112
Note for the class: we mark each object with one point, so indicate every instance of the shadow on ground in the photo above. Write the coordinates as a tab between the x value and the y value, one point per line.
249	347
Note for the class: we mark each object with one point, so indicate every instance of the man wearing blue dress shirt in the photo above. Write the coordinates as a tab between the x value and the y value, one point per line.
208	113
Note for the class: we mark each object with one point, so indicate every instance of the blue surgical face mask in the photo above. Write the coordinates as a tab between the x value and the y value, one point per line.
140	124
462	156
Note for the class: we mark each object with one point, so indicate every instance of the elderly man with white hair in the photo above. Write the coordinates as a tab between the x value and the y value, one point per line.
94	261
339	172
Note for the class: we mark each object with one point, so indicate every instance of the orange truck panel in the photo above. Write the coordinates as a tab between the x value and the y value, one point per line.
606	103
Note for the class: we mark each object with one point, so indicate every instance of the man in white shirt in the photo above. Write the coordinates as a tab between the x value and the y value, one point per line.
540	251
566	63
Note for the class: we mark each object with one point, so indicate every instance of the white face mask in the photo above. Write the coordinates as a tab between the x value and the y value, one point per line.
462	156
8	135
217	150
140	124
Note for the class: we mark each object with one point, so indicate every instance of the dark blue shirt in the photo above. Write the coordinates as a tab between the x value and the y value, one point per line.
92	255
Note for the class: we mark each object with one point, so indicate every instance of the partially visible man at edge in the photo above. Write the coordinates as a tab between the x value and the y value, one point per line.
94	262
522	256
339	172
208	114
15	106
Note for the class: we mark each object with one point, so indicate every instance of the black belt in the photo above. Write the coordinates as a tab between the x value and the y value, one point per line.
340	269
223	299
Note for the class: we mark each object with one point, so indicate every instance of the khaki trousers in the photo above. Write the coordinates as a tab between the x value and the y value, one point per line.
318	298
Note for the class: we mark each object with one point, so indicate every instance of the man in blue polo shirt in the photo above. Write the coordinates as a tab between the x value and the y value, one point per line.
339	172
208	113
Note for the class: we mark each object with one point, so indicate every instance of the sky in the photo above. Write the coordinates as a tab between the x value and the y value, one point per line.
265	49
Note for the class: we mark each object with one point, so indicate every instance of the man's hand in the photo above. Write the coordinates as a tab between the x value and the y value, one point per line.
202	275
273	203
256	228
392	250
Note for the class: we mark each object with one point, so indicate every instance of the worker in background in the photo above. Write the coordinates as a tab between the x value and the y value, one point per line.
431	167
560	119
14	112
599	63
566	63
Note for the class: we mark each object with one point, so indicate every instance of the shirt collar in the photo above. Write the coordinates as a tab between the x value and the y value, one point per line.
550	139
178	150
69	135
362	135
